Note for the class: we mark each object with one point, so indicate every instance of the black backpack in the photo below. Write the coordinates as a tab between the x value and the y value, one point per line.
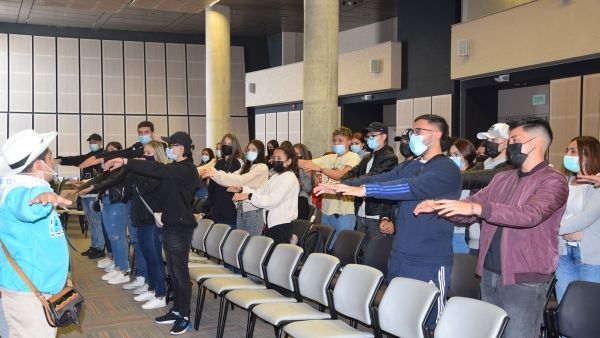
313	243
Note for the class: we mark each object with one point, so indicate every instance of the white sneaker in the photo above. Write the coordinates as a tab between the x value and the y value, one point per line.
104	262
110	268
119	278
141	289
109	275
154	303
139	281
144	297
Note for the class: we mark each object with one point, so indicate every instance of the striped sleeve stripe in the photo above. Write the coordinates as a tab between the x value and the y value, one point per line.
387	190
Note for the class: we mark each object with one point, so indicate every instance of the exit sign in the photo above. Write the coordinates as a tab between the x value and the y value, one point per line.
539	99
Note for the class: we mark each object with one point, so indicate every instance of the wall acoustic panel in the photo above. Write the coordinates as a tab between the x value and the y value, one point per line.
112	76
282	127
259	128
196	70
565	107
238	74
131	122
18	122
239	127
90	124
114	129
404	115
135	80
68	75
3	72
160	126
91	76
20	73
422	106
44	70
45	123
270	126
294	127
176	79
178	123
3	128
68	142
155	78
590	122
198	135
442	105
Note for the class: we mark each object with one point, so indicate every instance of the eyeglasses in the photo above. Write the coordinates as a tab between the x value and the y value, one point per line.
417	131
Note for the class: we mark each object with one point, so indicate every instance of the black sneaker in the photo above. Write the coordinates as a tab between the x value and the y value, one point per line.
87	252
96	253
181	325
168	318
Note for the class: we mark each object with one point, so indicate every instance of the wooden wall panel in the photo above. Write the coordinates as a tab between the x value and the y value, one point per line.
442	105
422	106
591	106
565	104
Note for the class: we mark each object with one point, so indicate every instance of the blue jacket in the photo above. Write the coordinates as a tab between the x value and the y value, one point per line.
427	238
33	235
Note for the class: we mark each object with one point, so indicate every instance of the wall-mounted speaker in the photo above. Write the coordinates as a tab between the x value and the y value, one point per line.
463	47
252	87
374	66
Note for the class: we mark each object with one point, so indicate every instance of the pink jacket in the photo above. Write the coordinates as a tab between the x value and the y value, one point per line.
529	209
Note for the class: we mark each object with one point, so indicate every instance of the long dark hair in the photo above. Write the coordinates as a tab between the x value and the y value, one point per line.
114	144
260	158
291	154
210	152
236	152
467	150
588	147
304	152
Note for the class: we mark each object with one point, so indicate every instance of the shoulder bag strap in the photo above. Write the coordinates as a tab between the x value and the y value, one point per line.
144	201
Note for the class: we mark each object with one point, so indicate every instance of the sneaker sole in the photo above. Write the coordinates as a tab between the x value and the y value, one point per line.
165	322
153	307
182	332
130	287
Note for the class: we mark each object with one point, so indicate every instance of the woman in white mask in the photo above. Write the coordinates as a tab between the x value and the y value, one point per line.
207	160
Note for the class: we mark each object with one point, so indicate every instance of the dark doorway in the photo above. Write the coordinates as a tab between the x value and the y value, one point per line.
359	115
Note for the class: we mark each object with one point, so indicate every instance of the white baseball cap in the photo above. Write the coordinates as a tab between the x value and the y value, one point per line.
498	130
20	150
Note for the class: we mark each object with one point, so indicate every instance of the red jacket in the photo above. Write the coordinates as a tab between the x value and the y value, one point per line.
529	208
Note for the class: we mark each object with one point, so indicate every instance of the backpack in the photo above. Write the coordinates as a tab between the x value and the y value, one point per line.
313	243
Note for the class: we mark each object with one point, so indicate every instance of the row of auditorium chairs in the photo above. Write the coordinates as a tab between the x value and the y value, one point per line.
271	287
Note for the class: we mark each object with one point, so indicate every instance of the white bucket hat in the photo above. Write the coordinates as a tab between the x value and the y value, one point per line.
22	149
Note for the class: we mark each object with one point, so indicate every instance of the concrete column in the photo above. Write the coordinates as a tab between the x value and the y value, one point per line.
321	35
218	74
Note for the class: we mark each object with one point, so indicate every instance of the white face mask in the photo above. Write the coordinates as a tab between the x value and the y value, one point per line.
41	176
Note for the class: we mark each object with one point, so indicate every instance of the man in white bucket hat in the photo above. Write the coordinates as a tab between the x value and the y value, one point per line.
31	232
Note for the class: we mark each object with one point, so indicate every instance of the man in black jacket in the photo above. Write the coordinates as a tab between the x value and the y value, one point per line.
382	159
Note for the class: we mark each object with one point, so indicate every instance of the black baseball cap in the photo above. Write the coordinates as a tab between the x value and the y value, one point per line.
377	126
181	138
404	135
94	137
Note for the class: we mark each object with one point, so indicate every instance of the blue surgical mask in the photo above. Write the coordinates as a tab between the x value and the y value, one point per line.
355	148
458	161
372	143
251	156
205	158
144	139
338	149
416	144
171	155
219	153
571	163
94	147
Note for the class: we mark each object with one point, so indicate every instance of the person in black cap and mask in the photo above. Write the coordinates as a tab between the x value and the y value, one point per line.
369	211
404	147
179	181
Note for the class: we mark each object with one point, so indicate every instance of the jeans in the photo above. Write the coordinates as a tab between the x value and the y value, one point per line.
141	266
150	243
250	221
524	303
459	245
177	242
341	222
369	226
115	218
438	275
570	269
95	221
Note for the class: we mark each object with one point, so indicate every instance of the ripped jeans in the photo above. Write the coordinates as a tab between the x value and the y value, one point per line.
115	218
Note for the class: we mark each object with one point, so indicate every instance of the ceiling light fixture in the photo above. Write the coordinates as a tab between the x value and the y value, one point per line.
351	3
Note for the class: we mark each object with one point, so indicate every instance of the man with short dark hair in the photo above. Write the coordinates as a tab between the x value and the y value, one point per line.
520	213
422	246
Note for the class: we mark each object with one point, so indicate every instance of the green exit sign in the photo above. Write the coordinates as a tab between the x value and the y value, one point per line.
539	99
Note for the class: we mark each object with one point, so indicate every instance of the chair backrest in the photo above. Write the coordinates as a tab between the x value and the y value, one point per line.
355	291
282	264
233	247
300	229
326	231
311	213
470	318
463	280
377	252
347	246
578	310
316	275
200	233
405	307
214	240
255	253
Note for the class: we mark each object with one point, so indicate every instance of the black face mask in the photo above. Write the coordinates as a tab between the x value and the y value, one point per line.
405	150
149	158
226	150
270	152
491	148
278	166
514	154
481	158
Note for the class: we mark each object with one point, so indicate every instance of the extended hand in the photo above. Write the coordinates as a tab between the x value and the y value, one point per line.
240	197
85	191
424	207
208	172
589	179
449	208
234	188
114	164
90	161
349	190
52	198
324	188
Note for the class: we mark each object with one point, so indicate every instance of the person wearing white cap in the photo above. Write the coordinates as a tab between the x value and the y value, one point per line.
31	232
497	137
